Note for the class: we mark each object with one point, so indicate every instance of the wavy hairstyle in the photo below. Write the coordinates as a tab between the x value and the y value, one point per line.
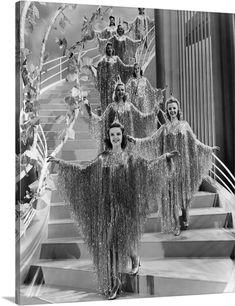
108	144
141	71
115	98
173	100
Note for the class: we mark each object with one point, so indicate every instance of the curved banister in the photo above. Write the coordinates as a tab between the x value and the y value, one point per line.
220	180
226	168
228	177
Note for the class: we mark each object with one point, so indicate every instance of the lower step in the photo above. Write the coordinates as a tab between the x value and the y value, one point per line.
191	243
166	277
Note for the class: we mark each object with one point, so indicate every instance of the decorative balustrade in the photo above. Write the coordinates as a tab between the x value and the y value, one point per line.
222	174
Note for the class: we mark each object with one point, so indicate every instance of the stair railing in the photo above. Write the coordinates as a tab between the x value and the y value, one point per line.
54	73
222	174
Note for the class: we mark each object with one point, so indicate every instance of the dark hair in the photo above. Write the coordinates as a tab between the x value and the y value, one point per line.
108	144
121	27
141	71
109	44
112	17
173	100
115	94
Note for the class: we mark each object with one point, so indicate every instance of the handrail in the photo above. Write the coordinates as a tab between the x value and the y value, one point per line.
224	175
226	168
229	177
218	178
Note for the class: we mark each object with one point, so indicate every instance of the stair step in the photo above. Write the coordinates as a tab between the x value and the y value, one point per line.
192	243
212	217
53	135
204	199
62	228
88	154
166	277
75	144
208	202
59	211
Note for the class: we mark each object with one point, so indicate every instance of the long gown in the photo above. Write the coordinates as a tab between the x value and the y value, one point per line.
136	123
109	200
142	94
108	69
191	166
123	46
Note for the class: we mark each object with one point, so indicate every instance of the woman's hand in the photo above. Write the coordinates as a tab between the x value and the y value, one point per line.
215	148
52	159
131	139
172	154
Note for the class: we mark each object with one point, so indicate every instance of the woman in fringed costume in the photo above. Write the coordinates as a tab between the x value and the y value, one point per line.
190	168
140	26
141	93
124	47
137	124
108	69
109	31
109	198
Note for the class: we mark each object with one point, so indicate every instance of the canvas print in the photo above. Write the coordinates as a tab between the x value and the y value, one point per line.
124	152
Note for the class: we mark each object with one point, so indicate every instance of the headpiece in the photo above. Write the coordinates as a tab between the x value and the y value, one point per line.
172	99
119	82
116	122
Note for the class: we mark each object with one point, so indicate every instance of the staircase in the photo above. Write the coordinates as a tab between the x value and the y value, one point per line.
52	106
199	261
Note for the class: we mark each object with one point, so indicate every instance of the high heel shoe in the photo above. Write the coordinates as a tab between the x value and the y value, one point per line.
113	293
135	265
177	231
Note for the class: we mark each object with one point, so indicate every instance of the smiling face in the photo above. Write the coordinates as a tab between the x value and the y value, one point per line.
120	30
172	109
137	70
115	135
109	50
120	91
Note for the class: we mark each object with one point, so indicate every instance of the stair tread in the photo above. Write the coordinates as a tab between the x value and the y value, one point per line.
192	212
197	235
200	211
207	269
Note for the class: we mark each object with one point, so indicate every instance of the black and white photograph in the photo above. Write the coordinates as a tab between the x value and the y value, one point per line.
123	154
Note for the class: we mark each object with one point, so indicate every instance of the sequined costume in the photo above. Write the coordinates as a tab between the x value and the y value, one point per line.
123	46
140	26
137	124
108	69
109	200
142	94
191	166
